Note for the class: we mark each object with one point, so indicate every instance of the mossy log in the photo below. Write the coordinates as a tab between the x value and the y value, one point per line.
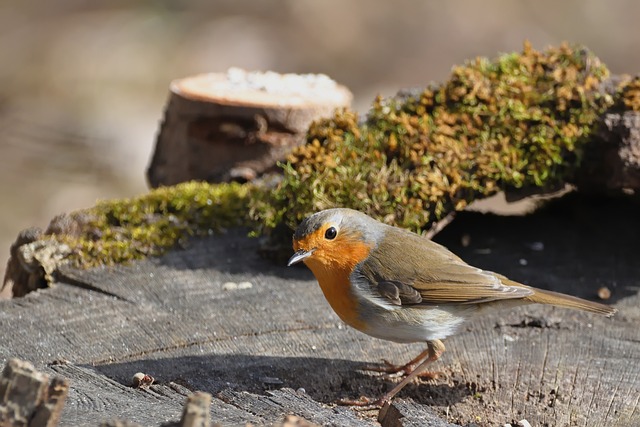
525	123
237	125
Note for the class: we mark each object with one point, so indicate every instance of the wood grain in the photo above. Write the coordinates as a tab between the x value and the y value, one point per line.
275	348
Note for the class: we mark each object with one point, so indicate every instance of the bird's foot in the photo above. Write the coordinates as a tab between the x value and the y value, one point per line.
390	369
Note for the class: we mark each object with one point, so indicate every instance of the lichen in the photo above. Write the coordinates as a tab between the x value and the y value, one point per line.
518	121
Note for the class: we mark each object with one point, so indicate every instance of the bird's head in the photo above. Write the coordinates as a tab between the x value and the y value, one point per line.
335	239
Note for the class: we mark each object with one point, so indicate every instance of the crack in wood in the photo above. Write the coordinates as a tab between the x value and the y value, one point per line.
590	367
515	386
612	396
573	388
636	405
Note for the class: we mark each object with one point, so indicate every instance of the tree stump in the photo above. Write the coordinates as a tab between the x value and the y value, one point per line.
273	348
237	125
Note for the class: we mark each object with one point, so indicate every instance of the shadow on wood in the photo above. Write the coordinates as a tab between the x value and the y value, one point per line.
325	380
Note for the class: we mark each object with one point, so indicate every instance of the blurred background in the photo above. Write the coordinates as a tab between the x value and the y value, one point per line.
83	83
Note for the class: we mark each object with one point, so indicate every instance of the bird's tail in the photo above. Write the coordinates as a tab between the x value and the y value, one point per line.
541	296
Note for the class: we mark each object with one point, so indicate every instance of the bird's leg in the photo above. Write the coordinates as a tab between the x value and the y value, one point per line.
406	369
389	368
434	350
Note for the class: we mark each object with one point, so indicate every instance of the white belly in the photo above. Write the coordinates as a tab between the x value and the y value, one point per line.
412	324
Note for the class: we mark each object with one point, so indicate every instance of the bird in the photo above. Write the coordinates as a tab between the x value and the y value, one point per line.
396	285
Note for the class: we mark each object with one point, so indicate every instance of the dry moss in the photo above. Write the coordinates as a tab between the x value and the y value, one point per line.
518	121
630	94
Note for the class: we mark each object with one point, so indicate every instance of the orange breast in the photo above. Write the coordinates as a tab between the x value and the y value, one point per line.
332	273
337	290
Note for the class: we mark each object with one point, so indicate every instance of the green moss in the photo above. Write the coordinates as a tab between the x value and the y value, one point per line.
123	230
518	121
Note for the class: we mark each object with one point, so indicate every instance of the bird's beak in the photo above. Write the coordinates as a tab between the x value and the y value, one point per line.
299	256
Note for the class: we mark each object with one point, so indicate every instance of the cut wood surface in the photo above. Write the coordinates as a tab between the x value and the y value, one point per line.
237	125
272	347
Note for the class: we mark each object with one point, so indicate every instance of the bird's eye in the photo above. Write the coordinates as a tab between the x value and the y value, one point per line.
331	233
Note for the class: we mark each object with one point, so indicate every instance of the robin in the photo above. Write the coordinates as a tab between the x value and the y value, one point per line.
396	285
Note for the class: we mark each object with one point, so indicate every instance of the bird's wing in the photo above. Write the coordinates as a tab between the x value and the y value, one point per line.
398	293
408	269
